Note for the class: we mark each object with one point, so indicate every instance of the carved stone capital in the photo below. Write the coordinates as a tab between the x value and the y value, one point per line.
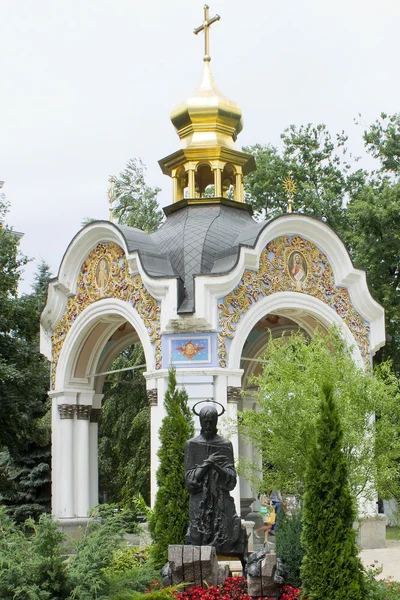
152	397
233	394
95	415
66	411
83	412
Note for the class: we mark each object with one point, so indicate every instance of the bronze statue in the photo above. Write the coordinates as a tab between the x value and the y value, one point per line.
210	475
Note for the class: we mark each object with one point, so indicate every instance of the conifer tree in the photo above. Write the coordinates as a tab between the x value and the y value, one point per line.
170	517
124	434
331	568
24	377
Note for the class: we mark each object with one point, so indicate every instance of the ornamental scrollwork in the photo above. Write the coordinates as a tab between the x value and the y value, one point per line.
289	264
105	274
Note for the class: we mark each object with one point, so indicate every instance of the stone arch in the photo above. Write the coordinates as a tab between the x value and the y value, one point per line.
283	303
296	308
77	401
111	312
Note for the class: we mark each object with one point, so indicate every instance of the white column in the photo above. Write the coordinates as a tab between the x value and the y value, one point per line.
246	451
156	388
64	467
82	461
232	416
55	458
94	457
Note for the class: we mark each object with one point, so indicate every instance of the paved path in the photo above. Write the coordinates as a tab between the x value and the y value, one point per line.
388	557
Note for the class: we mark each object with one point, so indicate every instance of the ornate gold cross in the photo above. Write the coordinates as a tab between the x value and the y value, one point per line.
290	187
206	26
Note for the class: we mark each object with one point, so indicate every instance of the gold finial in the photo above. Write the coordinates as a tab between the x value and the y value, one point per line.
206	26
111	196
290	187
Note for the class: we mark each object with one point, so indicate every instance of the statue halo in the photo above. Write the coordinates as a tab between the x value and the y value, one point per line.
208	402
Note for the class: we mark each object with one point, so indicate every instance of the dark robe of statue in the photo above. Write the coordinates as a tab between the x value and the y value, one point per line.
210	475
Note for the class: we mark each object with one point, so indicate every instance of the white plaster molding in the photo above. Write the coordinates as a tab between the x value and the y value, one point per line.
80	330
64	286
210	288
288	300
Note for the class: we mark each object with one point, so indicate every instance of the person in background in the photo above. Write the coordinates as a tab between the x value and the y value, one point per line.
276	500
268	515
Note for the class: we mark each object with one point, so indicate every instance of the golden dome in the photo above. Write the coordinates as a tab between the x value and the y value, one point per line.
207	117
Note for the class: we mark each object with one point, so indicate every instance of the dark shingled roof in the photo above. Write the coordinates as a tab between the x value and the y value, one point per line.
194	240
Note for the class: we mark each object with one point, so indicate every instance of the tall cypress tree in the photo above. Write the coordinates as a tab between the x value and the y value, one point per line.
331	568
170	517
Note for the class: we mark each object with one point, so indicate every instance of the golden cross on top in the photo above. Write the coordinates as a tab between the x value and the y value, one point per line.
290	187
206	26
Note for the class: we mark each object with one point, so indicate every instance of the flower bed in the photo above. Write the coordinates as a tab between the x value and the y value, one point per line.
234	588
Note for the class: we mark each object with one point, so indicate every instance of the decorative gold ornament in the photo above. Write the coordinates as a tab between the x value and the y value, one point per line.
206	28
290	264
290	188
105	274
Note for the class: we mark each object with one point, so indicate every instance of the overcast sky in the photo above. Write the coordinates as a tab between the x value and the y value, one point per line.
87	84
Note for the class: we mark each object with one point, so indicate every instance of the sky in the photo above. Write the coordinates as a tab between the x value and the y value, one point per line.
85	85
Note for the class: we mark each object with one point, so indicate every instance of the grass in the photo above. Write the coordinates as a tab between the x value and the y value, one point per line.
393	533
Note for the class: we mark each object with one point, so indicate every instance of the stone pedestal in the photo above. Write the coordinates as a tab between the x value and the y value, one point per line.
372	533
195	565
265	584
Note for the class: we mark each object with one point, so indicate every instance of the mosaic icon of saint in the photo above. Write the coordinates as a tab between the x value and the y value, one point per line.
102	274
297	267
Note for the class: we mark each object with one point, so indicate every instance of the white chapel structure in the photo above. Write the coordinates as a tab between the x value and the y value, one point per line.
202	293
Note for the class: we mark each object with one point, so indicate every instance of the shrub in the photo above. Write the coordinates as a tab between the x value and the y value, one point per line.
381	589
288	545
95	552
169	519
32	567
127	558
136	580
331	568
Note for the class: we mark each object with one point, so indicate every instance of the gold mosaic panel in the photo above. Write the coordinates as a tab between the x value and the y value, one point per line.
105	274
296	265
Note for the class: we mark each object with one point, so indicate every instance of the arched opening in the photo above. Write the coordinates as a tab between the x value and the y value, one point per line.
101	340
228	182
124	428
182	183
275	325
281	322
204	178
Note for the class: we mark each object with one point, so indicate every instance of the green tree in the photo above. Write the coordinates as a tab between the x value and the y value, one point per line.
169	519
316	162
362	207
24	376
135	202
331	568
124	434
289	393
374	225
25	466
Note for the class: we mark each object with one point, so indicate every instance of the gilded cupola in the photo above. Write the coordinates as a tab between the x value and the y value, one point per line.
208	165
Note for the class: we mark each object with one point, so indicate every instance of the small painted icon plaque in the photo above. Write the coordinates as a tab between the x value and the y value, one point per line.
190	350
